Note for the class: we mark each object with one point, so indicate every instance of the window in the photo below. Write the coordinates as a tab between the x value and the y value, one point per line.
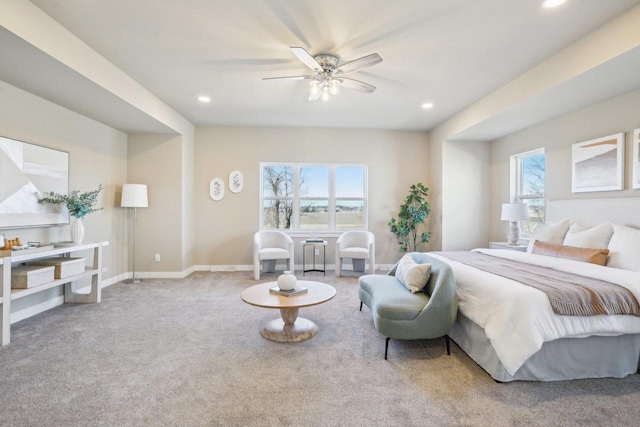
313	197
527	185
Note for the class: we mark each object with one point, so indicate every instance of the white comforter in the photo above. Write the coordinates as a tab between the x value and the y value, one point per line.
518	319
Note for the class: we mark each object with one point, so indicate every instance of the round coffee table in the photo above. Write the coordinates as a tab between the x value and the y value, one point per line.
290	327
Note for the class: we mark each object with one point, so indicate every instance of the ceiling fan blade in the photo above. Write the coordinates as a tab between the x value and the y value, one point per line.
306	58
356	64
288	78
357	85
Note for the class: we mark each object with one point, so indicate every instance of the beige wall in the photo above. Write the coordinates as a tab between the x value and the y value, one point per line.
615	115
98	154
465	193
156	160
224	229
461	186
188	202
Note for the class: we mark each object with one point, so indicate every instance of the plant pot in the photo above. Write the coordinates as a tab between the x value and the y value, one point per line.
77	231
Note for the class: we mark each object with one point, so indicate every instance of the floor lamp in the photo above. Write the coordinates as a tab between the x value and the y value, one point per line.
134	196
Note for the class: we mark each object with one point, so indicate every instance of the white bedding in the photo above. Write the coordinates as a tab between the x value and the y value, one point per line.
518	319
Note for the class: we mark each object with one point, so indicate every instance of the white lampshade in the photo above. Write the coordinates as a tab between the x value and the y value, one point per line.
514	211
134	196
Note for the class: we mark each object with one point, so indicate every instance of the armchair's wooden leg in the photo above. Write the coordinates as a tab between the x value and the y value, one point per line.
386	348
446	342
360	305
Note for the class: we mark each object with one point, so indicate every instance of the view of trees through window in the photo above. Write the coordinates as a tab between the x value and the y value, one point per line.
313	197
530	187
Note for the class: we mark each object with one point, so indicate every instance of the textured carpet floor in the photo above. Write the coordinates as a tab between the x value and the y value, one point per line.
189	352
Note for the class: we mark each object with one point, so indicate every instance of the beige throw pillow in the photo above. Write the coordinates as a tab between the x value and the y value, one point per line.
549	233
593	256
412	275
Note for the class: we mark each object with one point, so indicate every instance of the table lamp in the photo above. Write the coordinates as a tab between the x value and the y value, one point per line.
134	196
514	212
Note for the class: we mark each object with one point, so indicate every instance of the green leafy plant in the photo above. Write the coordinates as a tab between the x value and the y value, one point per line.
413	212
78	204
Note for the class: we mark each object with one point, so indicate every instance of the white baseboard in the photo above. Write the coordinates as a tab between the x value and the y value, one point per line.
231	268
115	279
154	275
216	268
329	267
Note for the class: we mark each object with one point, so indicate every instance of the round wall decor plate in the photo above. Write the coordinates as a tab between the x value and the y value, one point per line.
216	189
236	181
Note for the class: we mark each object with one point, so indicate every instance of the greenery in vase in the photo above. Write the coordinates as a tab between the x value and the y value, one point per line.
413	212
78	204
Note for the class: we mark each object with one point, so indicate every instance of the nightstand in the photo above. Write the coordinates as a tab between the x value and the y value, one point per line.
505	245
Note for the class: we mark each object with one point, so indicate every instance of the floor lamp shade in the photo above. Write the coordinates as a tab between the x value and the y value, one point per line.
134	196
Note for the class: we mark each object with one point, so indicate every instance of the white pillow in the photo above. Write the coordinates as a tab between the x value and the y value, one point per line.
412	275
548	232
624	248
596	237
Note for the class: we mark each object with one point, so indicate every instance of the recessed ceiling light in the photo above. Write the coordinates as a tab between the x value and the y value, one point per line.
550	4
427	105
204	98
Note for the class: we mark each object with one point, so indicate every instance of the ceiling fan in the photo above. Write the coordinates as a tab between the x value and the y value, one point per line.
327	75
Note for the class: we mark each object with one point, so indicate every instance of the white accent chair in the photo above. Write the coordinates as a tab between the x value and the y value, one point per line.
359	245
268	247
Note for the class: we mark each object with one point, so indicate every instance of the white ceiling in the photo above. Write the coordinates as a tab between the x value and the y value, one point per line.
449	52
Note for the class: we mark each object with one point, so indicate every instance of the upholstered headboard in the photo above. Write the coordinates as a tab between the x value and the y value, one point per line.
624	211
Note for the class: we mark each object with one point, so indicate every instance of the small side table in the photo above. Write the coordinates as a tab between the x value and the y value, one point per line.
505	245
313	245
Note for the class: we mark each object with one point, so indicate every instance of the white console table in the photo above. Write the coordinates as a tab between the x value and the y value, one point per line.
71	295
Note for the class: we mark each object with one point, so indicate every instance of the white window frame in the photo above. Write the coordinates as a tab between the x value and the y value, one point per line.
517	182
295	230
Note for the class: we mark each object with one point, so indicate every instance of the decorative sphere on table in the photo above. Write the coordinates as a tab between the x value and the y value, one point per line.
287	281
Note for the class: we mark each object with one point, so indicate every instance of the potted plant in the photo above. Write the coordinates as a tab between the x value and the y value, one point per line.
413	212
78	204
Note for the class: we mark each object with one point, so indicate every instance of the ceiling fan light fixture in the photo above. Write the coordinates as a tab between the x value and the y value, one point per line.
325	80
315	90
550	4
334	87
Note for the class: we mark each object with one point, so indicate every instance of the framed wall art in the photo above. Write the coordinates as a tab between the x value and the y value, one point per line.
26	171
636	159
598	164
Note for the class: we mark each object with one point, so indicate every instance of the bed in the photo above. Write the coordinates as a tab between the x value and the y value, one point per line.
510	330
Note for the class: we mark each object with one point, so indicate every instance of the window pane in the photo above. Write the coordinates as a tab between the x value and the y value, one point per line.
349	214
533	175
314	214
536	214
277	181
314	182
350	181
277	214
